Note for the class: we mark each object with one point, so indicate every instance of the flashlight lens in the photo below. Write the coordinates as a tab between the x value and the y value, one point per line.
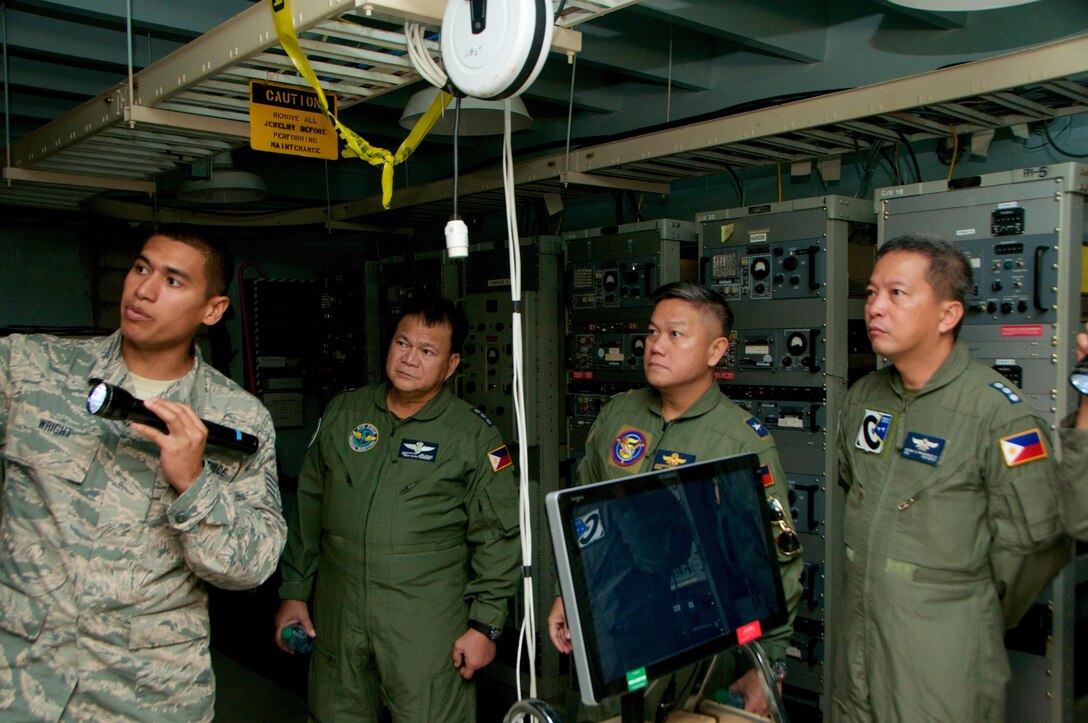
96	399
1079	379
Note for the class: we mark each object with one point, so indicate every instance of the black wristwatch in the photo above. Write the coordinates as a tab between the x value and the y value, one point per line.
490	632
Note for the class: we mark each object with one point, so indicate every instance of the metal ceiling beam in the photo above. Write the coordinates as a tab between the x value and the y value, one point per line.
1033	65
69	179
1061	59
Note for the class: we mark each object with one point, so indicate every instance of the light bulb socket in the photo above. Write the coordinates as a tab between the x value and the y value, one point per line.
457	239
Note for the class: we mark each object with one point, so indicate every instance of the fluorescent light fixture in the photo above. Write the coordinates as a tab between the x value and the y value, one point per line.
959	6
225	185
478	117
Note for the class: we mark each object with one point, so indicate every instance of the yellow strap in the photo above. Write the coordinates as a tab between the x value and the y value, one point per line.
356	144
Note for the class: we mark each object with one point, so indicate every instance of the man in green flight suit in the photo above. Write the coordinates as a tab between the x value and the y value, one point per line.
406	535
951	522
683	418
1073	472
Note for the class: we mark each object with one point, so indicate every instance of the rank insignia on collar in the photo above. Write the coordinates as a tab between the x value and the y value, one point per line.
757	426
1005	389
499	458
1023	447
363	437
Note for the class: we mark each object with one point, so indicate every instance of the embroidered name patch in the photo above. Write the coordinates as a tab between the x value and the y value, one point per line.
55	428
589	528
756	425
628	447
1023	447
666	459
363	438
923	448
1005	389
499	458
873	431
417	449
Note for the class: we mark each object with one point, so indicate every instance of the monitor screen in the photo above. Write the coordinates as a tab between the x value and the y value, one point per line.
660	570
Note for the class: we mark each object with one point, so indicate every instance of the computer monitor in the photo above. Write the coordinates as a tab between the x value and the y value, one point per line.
663	569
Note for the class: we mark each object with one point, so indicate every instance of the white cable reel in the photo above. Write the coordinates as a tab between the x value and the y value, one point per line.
495	50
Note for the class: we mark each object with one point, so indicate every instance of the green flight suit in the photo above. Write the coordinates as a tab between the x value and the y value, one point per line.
405	530
103	611
1073	474
951	530
631	437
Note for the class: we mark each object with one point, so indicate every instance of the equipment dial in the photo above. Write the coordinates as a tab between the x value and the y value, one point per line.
796	343
760	268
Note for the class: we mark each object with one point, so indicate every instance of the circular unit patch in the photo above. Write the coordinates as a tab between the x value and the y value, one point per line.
363	438
628	447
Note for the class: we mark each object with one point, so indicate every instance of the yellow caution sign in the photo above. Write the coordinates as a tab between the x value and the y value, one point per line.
288	119
356	144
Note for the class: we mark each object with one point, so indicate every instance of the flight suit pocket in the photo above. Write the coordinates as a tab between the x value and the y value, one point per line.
940	518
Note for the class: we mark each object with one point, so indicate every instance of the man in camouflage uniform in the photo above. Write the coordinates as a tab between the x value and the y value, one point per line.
681	419
951	522
109	529
406	537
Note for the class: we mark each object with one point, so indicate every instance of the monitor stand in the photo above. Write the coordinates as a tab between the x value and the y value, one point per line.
633	707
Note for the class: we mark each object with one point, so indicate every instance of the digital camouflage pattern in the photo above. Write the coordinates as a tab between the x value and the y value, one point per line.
104	614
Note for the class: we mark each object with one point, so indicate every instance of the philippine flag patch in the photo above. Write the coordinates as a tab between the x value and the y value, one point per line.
1023	447
499	458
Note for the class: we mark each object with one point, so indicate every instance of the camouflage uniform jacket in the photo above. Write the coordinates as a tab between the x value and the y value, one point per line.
101	561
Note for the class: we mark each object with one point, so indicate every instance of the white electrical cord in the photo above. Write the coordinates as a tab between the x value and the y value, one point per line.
528	624
422	60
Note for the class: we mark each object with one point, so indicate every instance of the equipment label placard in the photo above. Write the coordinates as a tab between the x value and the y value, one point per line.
288	119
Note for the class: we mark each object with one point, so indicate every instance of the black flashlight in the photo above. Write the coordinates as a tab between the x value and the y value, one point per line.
113	402
1079	376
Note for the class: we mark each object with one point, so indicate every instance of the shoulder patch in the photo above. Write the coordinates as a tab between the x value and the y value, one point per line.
481	415
1008	391
757	426
499	458
1023	447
